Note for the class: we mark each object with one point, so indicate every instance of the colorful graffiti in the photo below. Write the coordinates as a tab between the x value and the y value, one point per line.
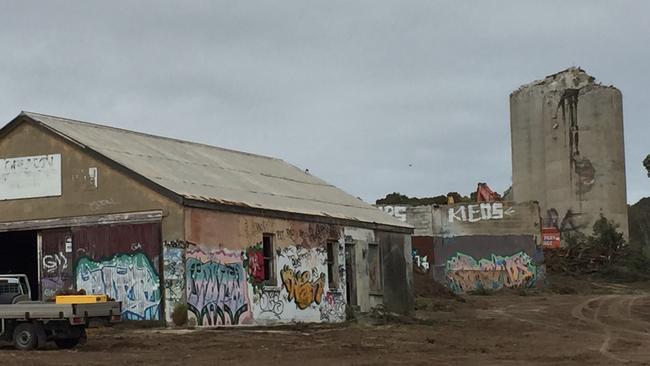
333	307
129	278
217	290
227	287
254	263
174	274
421	261
301	289
464	273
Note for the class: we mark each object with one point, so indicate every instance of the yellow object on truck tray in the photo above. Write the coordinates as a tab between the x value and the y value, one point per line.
81	299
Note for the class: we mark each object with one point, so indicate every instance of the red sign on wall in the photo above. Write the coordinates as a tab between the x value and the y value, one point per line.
551	237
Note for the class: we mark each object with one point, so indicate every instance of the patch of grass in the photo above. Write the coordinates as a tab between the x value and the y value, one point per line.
521	291
423	303
481	291
563	290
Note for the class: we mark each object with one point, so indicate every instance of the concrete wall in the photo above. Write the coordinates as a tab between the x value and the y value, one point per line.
397	211
568	150
360	239
484	245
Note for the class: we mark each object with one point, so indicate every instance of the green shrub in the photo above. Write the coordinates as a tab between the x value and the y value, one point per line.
179	315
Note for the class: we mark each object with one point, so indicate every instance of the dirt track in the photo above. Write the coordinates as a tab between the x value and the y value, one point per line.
610	327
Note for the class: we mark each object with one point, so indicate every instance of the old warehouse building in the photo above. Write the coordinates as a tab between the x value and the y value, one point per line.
156	222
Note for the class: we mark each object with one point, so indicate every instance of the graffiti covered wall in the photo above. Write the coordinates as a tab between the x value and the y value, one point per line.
227	278
490	262
217	290
119	260
174	275
488	245
302	292
130	278
465	273
57	262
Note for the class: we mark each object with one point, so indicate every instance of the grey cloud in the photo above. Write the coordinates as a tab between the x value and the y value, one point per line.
354	91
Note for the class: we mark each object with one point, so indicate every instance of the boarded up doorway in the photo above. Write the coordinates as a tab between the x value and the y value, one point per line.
350	274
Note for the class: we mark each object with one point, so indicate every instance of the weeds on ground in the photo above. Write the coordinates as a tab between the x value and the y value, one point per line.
179	315
481	291
604	253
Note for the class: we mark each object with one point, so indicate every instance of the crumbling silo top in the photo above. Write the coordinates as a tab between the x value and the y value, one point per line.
571	78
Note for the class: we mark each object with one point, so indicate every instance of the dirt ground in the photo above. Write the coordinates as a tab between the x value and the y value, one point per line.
601	324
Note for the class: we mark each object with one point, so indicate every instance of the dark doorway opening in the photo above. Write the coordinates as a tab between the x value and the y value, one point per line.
19	255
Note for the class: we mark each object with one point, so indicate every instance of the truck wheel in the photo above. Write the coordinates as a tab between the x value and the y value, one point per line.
67	343
25	337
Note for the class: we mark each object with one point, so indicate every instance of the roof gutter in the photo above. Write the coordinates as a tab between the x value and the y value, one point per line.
254	211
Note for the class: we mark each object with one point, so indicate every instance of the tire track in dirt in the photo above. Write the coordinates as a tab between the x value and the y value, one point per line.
619	310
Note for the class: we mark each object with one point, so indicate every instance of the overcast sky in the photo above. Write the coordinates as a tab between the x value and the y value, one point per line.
372	96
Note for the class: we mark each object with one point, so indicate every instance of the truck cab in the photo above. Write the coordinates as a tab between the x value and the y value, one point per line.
14	289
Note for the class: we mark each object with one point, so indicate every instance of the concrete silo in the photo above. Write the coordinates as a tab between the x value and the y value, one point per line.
568	150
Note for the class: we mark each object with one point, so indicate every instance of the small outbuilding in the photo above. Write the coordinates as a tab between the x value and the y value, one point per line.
163	224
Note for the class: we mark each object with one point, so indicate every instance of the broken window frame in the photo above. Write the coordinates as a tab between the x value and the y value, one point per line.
332	255
268	249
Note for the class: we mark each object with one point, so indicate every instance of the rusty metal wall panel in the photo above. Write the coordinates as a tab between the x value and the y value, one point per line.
57	262
104	241
122	261
423	253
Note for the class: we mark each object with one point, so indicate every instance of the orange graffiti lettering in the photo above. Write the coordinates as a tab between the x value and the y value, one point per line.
301	289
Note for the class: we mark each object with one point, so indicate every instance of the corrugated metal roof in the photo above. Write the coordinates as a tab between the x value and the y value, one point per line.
212	174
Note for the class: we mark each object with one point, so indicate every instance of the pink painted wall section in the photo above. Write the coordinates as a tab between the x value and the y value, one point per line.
220	229
225	270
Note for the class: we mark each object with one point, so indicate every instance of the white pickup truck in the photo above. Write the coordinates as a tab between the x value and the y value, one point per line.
30	324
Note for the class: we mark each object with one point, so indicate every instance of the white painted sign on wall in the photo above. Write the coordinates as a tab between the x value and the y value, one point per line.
30	176
478	212
399	212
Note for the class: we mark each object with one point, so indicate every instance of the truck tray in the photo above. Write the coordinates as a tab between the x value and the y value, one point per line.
81	299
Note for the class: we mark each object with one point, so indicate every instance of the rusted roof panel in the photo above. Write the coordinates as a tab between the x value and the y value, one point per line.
212	174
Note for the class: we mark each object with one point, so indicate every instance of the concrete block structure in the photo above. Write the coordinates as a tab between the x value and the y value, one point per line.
568	151
480	245
156	222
